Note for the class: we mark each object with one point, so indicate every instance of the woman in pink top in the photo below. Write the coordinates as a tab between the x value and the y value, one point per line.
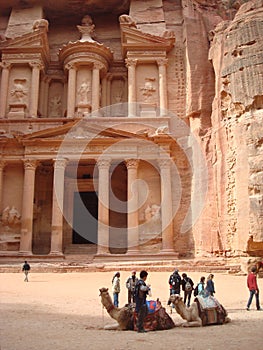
253	288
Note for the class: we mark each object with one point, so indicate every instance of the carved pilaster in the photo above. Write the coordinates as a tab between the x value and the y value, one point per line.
4	87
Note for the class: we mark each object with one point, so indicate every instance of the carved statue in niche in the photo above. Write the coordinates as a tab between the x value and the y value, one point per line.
118	109
86	29
11	217
152	219
19	91
55	106
83	92
148	89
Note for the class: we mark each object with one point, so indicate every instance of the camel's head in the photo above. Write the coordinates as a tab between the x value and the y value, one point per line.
104	291
175	299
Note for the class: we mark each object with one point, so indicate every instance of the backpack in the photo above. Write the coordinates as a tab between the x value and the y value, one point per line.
196	290
187	286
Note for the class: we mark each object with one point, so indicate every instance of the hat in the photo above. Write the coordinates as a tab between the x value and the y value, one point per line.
133	271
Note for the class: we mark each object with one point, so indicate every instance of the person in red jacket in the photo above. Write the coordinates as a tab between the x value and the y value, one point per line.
253	288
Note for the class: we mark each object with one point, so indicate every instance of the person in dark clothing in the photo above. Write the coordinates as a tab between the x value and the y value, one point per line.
130	285
210	286
253	288
187	287
141	291
25	269
175	282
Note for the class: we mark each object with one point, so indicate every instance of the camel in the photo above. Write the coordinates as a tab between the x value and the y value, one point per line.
195	315
126	316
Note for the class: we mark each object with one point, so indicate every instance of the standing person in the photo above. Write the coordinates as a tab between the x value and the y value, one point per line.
253	288
175	282
130	285
200	288
141	291
187	287
210	286
116	288
25	269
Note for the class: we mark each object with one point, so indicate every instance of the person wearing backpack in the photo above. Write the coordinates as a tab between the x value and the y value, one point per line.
187	287
25	269
175	282
200	287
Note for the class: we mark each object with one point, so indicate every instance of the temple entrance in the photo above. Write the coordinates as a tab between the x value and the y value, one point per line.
85	218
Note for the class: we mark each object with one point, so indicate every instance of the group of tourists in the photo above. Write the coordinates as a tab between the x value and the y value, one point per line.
205	287
138	290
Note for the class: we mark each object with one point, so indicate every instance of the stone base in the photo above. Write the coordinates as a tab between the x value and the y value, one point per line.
83	110
148	110
17	111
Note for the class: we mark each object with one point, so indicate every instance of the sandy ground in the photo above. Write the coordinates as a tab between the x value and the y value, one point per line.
63	311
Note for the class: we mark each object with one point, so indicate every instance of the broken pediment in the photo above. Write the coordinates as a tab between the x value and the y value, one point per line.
36	41
134	39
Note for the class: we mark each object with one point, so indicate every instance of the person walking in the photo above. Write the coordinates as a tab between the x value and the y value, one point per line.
130	285
210	286
200	287
187	287
116	288
26	269
141	291
253	288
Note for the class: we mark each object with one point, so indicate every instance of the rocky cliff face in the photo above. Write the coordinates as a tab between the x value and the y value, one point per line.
236	139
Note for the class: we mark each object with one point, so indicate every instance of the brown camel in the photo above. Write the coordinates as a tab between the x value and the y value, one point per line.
195	316
125	316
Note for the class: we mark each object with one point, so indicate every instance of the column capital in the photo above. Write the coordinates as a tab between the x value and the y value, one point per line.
103	163
70	66
162	61
132	163
97	65
2	164
30	164
164	163
36	64
5	65
60	163
131	62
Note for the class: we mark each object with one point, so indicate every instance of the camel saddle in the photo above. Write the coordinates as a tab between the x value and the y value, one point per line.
156	319
210	310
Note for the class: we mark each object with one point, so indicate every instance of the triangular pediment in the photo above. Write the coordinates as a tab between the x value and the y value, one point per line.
135	39
35	41
79	130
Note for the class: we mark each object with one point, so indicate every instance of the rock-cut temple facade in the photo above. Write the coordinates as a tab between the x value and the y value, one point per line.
131	128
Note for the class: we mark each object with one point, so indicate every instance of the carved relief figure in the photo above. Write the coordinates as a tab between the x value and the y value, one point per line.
19	91
148	89
55	106
10	216
83	92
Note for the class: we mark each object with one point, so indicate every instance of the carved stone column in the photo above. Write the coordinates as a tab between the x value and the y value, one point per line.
96	87
45	96
103	206
104	92
162	63
166	207
131	65
28	207
132	206
71	90
4	88
57	207
2	166
34	94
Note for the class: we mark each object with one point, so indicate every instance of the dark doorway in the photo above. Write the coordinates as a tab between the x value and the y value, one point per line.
85	218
